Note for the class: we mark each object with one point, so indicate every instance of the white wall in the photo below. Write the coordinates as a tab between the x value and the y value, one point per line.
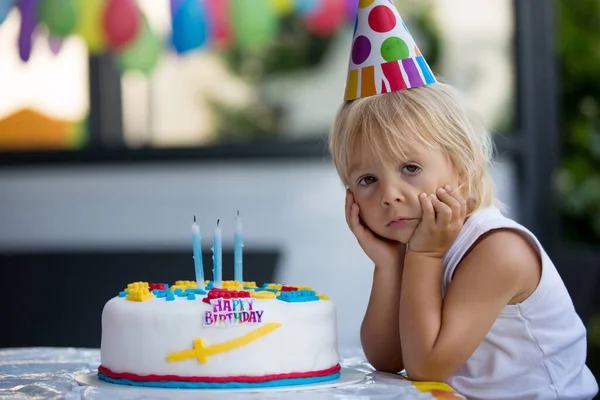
297	206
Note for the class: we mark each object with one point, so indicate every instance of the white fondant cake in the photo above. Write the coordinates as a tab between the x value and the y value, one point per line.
173	338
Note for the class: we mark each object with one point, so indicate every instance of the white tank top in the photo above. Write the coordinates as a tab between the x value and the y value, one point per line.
536	349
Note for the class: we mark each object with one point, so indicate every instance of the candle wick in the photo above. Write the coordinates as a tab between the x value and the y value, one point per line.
238	211
194	218
218	222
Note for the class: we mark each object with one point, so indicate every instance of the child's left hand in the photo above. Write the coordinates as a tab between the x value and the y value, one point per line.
443	217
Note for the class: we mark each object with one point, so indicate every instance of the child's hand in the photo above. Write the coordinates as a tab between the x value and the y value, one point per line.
443	218
383	252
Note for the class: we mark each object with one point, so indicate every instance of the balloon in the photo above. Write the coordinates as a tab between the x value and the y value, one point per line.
306	6
121	21
254	23
144	53
60	16
89	24
190	28
55	44
282	7
218	15
327	18
28	10
5	7
351	9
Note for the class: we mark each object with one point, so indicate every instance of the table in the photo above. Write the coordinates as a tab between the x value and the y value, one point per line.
47	373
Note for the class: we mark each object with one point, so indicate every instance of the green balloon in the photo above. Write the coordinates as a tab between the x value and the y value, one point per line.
255	23
144	53
60	16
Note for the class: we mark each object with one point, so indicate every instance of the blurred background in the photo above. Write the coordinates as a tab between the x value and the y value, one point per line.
120	120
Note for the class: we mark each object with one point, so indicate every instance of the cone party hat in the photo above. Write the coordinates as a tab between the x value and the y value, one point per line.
384	56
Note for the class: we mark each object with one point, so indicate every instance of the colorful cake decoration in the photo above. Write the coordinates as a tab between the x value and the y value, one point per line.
384	56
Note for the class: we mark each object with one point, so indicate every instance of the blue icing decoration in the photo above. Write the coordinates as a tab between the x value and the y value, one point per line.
170	296
219	385
191	296
180	293
160	293
297	296
123	294
196	291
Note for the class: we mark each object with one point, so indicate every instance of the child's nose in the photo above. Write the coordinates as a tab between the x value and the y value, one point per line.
391	193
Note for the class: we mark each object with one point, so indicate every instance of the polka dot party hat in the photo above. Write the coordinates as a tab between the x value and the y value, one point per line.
384	57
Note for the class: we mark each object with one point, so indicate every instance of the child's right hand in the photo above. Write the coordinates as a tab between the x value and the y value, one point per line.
383	252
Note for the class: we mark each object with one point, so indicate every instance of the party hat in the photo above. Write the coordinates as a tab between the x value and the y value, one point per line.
385	57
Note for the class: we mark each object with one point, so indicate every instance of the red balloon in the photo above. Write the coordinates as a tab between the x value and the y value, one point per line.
327	18
218	15
121	22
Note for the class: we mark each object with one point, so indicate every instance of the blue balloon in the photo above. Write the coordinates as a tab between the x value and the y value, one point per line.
306	6
5	7
190	28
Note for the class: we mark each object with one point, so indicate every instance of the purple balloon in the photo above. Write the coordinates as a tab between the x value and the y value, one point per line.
351	9
28	9
55	44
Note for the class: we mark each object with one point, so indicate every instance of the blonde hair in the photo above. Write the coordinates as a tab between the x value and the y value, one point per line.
432	115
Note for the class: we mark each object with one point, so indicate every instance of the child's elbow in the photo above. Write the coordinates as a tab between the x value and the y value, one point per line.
427	373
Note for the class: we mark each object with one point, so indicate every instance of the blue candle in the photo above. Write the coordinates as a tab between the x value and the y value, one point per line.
197	244
217	257
237	250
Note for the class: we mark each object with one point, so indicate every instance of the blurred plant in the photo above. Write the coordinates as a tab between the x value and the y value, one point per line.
578	179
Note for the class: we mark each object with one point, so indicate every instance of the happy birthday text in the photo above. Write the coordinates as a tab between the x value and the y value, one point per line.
227	312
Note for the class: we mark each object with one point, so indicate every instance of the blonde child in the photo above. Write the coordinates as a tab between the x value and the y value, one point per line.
461	294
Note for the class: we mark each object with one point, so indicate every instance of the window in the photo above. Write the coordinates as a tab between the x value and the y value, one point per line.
44	103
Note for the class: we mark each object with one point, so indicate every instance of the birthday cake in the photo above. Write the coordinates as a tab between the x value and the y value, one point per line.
231	336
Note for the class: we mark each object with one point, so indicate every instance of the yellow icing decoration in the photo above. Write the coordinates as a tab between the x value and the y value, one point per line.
231	285
139	295
305	288
274	286
323	297
202	352
137	286
250	284
262	295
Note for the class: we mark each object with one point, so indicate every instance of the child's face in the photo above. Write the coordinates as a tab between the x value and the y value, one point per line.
387	193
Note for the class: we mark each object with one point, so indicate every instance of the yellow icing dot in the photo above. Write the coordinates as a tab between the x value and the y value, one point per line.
263	295
250	284
323	297
202	352
139	295
305	288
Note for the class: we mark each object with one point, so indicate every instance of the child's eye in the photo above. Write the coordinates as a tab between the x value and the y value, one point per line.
367	180
411	169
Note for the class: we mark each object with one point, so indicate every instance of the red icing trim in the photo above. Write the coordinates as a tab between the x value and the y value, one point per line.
218	293
157	286
288	289
243	378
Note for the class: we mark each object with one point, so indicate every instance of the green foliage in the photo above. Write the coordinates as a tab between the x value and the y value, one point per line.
578	180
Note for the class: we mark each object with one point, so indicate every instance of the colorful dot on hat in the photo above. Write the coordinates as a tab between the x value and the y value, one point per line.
365	3
394	49
361	50
382	19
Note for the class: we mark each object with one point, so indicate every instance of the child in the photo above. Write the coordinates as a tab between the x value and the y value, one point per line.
461	293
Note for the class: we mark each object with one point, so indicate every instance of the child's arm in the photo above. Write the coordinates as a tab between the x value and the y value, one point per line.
439	336
380	331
